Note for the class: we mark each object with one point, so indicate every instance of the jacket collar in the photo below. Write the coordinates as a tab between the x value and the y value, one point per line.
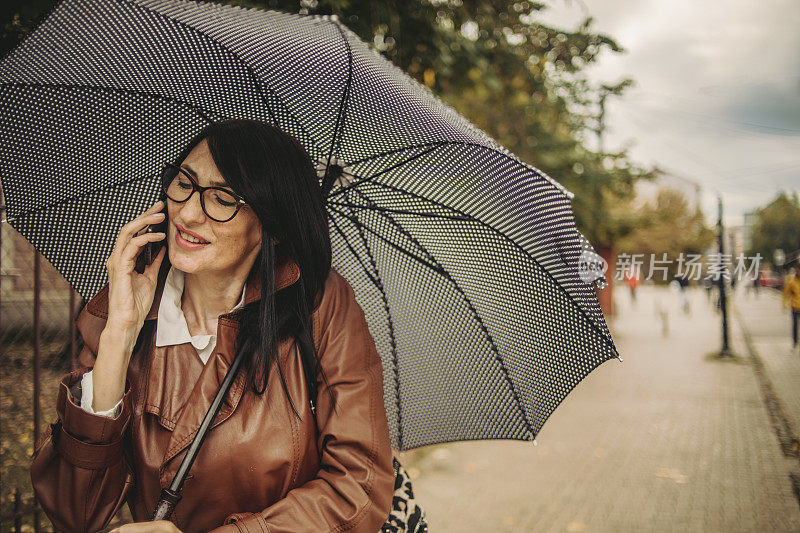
287	272
172	327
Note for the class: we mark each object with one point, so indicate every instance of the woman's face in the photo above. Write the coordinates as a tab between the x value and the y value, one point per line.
230	243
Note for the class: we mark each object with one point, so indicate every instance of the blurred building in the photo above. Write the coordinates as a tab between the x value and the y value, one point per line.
17	296
749	220
734	240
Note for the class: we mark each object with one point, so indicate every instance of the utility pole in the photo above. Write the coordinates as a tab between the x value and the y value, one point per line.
605	91
605	297
601	121
723	301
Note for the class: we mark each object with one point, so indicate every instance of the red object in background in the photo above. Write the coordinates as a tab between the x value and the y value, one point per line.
771	279
605	296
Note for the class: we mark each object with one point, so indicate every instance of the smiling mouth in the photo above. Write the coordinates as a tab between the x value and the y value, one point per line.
189	238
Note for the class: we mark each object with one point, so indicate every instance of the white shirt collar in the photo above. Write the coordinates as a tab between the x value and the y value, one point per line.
171	327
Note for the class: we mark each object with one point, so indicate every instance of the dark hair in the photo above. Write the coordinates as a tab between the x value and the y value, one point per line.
274	174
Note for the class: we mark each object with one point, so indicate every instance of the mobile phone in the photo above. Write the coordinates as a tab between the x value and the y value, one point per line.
151	249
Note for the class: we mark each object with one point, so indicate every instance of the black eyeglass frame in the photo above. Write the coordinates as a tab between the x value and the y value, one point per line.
200	189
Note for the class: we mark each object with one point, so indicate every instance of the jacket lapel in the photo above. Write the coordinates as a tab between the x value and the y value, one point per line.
166	373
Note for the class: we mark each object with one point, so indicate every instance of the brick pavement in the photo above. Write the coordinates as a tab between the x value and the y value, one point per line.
769	328
671	439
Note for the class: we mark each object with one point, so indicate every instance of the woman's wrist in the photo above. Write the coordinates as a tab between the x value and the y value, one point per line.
111	367
120	338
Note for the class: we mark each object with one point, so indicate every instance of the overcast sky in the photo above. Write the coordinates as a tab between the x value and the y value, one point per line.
717	94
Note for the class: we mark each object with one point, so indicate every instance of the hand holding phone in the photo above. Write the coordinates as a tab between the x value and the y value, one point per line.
131	281
152	247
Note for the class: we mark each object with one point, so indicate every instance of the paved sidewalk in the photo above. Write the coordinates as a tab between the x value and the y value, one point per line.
670	439
769	329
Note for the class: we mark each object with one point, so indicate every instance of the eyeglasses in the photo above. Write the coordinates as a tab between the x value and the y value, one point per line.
218	204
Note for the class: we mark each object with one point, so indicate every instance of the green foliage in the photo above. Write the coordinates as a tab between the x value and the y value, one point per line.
777	226
19	18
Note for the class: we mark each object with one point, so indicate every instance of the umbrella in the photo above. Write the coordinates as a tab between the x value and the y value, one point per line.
477	287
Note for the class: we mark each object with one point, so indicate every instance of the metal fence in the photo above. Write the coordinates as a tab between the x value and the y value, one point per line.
38	345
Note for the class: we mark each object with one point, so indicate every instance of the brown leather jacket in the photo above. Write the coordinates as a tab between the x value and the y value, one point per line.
259	468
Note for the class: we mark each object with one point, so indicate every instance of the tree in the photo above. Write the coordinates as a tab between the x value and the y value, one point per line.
668	226
777	226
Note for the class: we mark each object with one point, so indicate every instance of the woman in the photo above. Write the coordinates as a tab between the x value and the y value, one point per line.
161	341
791	297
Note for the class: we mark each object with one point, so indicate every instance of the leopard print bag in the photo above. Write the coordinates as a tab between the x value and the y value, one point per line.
406	514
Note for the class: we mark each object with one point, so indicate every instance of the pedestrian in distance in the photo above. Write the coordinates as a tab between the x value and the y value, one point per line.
633	280
791	299
683	283
757	283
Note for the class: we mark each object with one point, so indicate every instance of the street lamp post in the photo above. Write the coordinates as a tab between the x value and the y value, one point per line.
723	301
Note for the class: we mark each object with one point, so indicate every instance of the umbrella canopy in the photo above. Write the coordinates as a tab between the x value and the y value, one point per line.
477	287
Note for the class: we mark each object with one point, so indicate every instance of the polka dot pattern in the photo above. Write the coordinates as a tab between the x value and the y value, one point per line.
464	258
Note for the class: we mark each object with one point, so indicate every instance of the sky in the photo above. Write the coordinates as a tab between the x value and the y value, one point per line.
716	98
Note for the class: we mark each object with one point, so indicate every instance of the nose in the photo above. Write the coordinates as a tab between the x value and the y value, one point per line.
192	211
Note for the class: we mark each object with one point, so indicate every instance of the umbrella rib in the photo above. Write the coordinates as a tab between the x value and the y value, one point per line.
472	309
438	268
405	211
394	188
236	56
434	144
368	179
435	264
437	144
378	283
390	243
390	323
353	251
606	339
339	127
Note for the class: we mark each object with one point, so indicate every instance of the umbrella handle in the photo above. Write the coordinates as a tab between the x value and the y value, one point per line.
169	499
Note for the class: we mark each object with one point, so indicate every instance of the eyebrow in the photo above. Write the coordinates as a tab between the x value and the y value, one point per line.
189	169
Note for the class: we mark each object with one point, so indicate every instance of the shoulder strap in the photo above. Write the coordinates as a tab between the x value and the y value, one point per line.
311	381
